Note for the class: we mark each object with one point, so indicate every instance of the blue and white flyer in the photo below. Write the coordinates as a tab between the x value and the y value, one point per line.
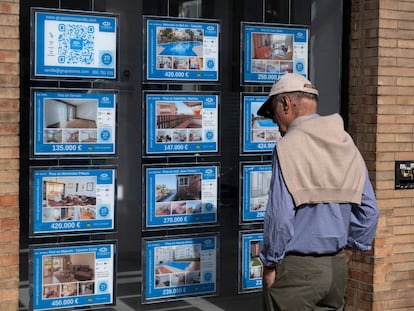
259	134
185	123
68	122
73	276
256	184
73	45
180	50
272	51
177	196
73	200
252	267
180	267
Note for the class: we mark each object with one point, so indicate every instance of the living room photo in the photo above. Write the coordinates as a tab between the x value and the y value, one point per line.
68	198
68	275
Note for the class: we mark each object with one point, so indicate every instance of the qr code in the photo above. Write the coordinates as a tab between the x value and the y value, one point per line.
76	44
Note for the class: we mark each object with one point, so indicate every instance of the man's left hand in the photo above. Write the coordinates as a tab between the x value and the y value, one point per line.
269	276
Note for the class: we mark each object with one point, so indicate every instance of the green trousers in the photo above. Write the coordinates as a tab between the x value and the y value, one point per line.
308	283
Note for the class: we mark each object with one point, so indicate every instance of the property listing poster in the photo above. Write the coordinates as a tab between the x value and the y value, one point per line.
178	267
256	184
182	50
184	123
177	196
68	122
68	44
259	134
73	276
73	200
251	273
272	51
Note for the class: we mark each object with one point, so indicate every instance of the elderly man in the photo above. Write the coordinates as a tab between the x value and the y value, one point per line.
321	203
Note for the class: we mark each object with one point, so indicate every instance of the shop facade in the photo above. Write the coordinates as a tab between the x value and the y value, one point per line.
118	193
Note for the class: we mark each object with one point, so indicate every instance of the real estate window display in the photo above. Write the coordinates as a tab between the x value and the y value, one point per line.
130	156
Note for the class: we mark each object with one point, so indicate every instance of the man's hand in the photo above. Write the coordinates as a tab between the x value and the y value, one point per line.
269	276
348	254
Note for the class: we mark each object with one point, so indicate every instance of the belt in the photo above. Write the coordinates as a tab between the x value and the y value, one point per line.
313	254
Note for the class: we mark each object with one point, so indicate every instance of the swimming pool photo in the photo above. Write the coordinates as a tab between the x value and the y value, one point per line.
180	48
179	41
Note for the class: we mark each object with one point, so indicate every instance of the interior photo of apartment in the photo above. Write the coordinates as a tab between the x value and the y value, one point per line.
68	275
70	121
272	53
52	136
259	186
272	46
69	198
70	113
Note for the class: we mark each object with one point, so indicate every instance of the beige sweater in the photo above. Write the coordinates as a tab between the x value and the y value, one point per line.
320	162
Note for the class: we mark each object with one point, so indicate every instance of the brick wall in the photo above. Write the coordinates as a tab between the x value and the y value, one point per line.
382	123
9	154
363	126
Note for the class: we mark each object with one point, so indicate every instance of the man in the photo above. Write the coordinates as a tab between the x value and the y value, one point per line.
321	203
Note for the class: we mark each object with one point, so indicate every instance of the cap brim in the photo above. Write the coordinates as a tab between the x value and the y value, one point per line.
265	109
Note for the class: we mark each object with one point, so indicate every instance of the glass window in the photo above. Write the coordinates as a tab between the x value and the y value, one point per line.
131	127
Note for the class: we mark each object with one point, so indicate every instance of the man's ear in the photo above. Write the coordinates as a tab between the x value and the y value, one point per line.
285	103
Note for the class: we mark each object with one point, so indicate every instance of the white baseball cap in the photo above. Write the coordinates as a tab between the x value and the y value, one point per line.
290	82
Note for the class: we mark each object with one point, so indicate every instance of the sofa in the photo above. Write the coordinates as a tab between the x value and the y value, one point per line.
82	272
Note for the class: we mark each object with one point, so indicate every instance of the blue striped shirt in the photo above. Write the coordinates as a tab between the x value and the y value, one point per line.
315	228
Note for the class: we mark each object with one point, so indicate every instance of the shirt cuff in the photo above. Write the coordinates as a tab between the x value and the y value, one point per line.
267	263
360	246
